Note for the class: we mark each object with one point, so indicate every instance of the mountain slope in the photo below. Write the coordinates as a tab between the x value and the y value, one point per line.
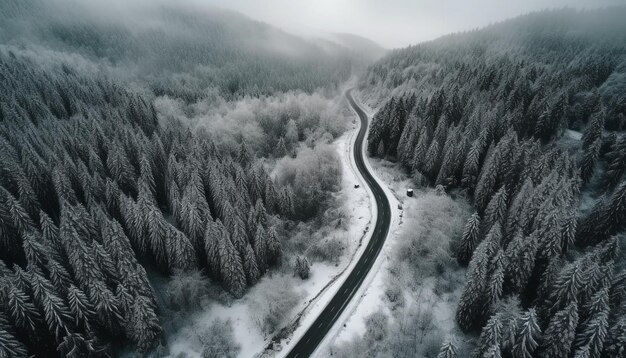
364	46
193	47
491	115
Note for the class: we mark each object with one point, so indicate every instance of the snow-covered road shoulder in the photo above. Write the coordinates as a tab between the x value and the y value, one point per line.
358	204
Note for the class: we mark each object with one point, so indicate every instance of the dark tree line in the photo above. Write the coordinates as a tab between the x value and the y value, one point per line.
488	117
92	189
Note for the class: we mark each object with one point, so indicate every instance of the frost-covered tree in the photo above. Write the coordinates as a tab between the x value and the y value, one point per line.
231	267
10	346
615	344
496	209
143	326
447	350
250	266
520	256
80	307
490	338
474	299
560	333
302	267
469	240
528	335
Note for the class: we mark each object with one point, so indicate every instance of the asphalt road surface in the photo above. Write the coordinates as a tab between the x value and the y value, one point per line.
316	332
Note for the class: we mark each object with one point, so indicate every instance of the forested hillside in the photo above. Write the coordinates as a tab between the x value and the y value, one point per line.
181	48
494	114
90	184
145	150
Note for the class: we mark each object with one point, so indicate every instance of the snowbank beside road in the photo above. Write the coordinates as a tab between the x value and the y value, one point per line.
360	210
395	291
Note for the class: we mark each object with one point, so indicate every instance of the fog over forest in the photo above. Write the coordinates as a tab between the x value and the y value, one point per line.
393	24
207	178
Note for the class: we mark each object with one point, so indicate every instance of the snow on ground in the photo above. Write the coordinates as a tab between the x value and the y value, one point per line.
313	293
372	297
360	211
370	300
367	298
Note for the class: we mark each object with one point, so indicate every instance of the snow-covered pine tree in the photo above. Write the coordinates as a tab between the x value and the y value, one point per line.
274	247
10	346
588	161
615	345
469	240
487	179
471	168
105	305
34	250
569	284
57	315
616	163
513	222
302	267
281	148
432	159
447	350
520	256
550	119
528	335
548	233
194	211
135	224
490	337
250	266
81	307
594	128
596	304
593	334
157	230
419	152
617	210
261	248
75	345
448	163
471	308
180	251
20	219
495	281
146	176
20	308
569	225
143	326
496	210
120	167
231	267
560	333
407	141
58	275
211	243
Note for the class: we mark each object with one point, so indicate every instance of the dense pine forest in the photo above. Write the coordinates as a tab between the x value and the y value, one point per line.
116	171
158	160
96	186
526	118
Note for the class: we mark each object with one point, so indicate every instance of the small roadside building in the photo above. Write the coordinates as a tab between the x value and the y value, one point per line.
409	192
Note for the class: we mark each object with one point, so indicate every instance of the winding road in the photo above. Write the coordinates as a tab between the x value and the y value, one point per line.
316	332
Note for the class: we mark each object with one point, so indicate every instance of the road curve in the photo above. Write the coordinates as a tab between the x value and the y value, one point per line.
323	323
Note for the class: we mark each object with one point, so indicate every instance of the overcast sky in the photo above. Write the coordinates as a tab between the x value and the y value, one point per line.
392	23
